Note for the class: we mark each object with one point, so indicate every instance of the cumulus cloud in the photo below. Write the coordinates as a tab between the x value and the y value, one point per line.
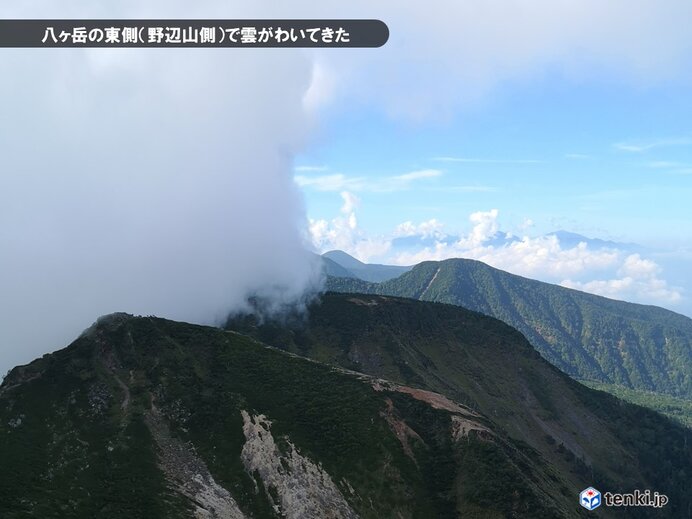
607	271
637	280
344	234
148	181
428	229
485	227
538	257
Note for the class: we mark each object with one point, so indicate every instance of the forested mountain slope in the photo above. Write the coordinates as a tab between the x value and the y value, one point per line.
587	336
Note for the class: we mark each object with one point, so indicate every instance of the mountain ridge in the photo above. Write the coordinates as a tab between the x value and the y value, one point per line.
127	386
473	359
589	337
145	417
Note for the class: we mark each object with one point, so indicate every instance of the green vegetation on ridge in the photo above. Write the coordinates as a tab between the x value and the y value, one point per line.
75	438
80	432
587	336
587	436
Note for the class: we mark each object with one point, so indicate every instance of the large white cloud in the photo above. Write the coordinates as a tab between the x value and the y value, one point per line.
159	181
539	257
146	180
637	279
343	232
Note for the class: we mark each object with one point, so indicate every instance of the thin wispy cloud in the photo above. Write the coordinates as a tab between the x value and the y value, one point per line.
578	156
642	146
335	182
308	169
612	194
473	160
464	189
664	164
341	182
671	167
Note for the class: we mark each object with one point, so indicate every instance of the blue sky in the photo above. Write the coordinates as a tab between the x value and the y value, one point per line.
600	156
554	151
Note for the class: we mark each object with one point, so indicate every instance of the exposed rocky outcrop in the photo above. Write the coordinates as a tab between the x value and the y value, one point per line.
189	475
298	487
401	429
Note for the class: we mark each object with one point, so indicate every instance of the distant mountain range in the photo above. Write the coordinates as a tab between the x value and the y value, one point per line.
337	261
570	240
567	240
449	413
587	336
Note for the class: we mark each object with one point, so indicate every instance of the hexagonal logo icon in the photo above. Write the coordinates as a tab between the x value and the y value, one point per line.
590	498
